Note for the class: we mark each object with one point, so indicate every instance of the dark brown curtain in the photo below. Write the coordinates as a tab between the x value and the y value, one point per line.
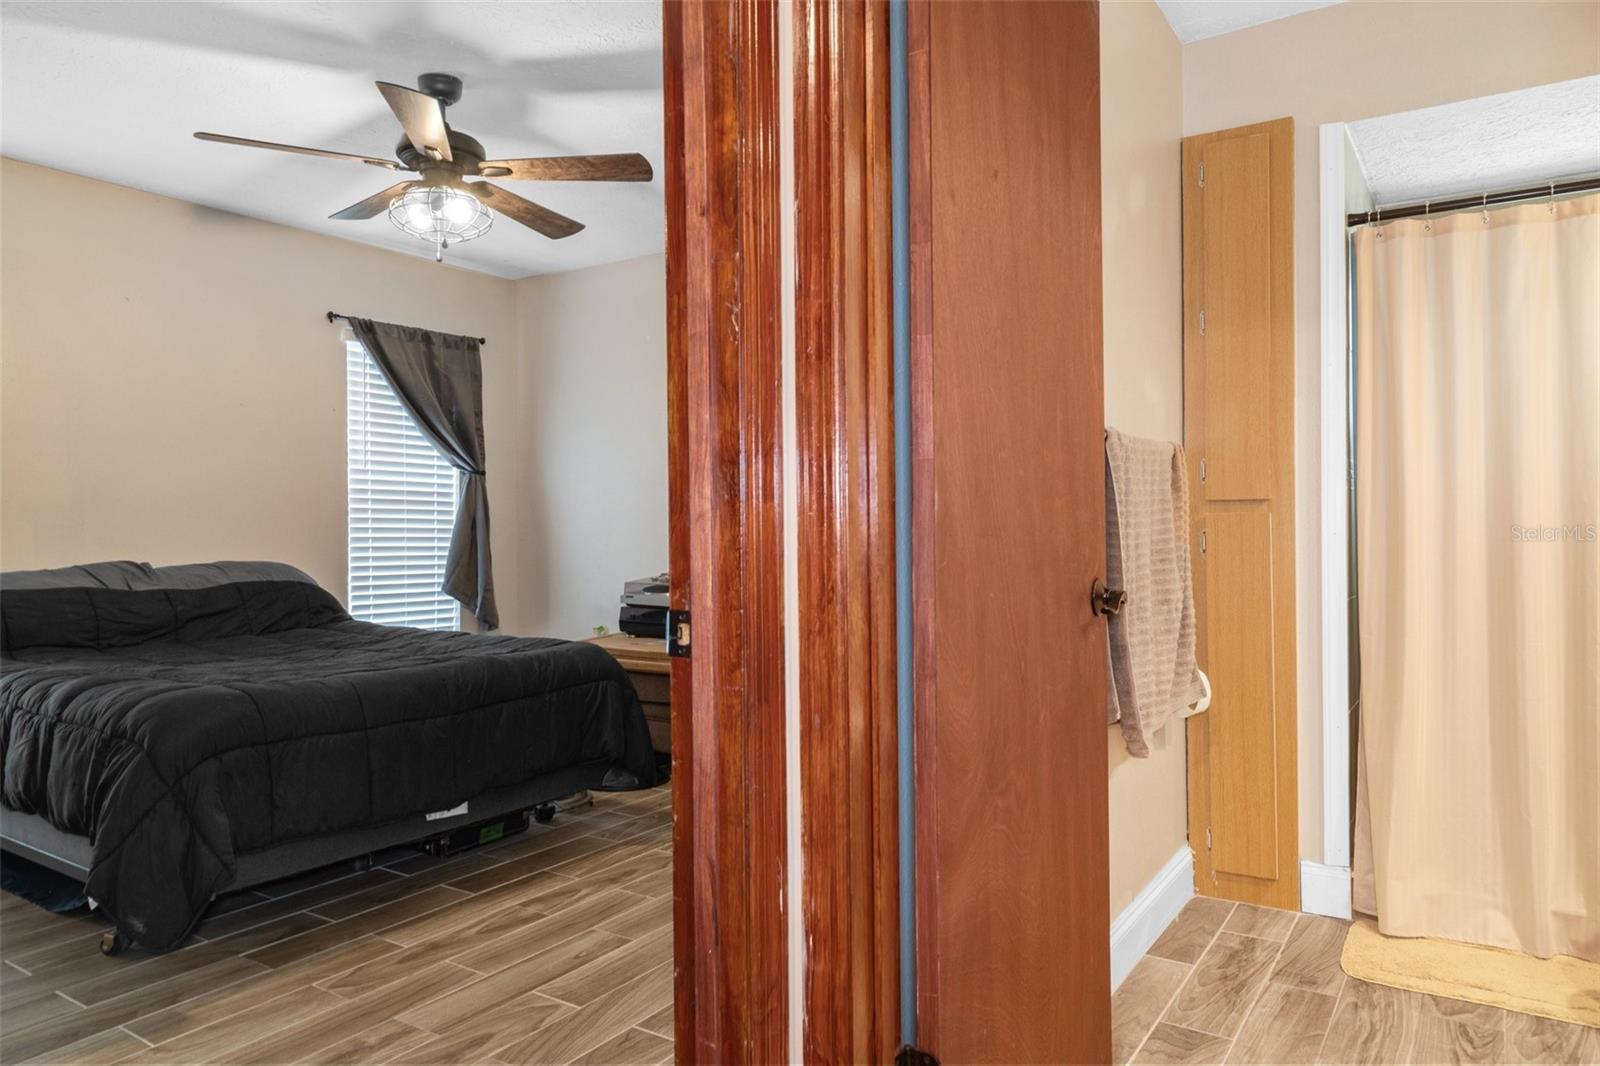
439	379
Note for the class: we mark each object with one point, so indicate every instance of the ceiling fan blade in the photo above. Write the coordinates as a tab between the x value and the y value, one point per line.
627	166
387	164
422	117
375	204
548	222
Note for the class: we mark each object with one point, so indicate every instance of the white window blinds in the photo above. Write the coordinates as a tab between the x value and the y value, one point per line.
402	497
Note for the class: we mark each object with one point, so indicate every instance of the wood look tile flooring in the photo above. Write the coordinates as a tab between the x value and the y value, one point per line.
554	945
1241	984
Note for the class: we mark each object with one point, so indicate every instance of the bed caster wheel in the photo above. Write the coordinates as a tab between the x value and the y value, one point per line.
113	943
544	813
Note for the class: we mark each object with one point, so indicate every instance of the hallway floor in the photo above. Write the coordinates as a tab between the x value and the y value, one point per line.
1235	983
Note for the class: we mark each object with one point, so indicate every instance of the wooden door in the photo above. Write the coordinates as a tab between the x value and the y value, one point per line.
1239	431
1008	532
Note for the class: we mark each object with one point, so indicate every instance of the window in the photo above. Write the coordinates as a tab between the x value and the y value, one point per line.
402	496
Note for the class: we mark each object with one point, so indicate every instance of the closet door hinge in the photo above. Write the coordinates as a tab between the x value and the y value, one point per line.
1202	322
1202	470
1208	838
1202	552
1202	173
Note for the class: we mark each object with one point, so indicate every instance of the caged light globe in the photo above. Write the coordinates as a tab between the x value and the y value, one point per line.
440	215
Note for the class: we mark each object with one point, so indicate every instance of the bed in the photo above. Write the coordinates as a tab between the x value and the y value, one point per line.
173	733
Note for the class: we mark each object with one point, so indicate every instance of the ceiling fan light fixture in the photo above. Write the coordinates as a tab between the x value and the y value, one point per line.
441	205
440	215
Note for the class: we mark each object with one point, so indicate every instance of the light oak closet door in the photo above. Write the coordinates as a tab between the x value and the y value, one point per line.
1243	733
1236	272
1239	433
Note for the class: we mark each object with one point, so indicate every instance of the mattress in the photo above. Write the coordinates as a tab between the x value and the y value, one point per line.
183	731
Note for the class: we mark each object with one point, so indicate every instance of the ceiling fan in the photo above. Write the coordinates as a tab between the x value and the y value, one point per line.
440	205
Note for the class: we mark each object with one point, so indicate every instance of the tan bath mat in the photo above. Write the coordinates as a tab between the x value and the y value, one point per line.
1563	988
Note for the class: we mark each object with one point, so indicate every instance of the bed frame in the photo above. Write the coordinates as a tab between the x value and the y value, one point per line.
35	839
31	837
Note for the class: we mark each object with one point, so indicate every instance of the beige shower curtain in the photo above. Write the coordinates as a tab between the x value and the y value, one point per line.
1478	496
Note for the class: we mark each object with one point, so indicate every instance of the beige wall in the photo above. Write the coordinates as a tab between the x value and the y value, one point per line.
1338	64
170	390
1141	108
596	343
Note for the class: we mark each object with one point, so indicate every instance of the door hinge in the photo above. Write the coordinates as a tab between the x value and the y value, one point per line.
1208	838
1202	322
678	635
909	1055
1202	542
1202	470
1202	173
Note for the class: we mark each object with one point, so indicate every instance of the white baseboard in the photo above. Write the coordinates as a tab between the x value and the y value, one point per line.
1151	911
1324	889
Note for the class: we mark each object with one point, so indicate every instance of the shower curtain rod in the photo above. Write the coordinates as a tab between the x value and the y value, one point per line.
1432	207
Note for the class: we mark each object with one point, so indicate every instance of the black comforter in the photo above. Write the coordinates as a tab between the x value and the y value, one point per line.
180	728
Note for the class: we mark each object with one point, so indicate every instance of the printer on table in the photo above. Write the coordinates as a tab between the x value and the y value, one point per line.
644	607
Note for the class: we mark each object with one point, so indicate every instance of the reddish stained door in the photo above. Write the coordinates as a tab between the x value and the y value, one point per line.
1013	926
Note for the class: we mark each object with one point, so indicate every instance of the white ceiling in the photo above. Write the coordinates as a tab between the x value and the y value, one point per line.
1195	20
1492	143
114	91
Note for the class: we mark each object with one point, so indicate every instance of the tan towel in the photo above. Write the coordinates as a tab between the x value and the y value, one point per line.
1153	671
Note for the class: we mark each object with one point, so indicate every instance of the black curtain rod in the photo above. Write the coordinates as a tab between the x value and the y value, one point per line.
335	315
1550	189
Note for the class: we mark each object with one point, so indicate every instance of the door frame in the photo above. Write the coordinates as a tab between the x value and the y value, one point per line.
724	462
1325	885
732	800
734	806
845	544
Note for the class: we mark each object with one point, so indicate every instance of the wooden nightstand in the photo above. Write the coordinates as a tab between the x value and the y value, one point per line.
646	661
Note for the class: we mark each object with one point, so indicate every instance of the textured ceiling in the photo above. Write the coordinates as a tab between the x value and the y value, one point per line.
114	90
1195	20
1484	145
